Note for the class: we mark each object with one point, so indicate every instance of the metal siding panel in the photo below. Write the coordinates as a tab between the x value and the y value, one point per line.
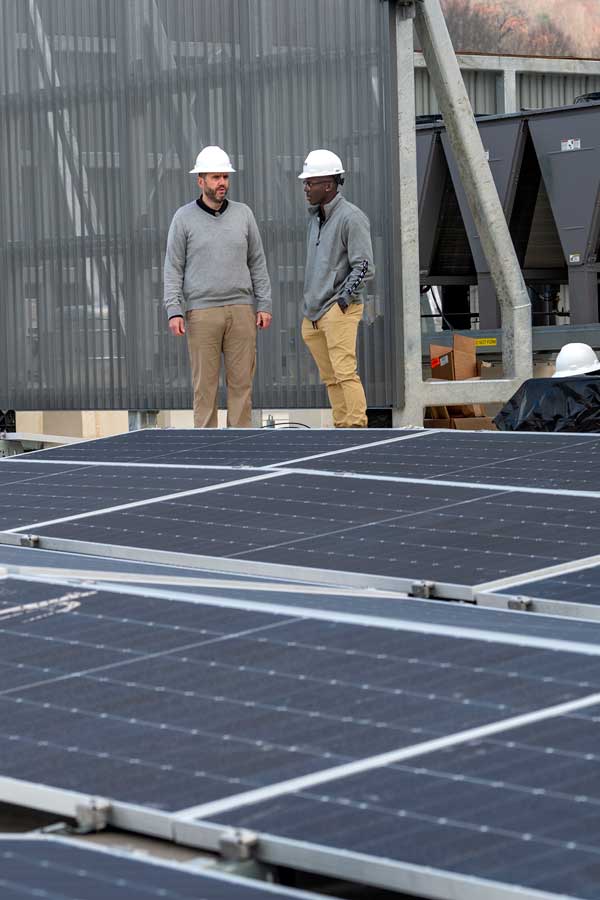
481	87
425	99
103	107
536	90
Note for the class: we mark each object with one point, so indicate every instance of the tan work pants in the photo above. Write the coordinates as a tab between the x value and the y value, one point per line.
229	331
332	344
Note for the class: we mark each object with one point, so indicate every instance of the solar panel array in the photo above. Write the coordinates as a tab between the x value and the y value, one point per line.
239	649
187	708
210	699
465	511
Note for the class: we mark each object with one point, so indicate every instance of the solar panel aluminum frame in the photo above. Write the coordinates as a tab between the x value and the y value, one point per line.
326	577
523	603
82	807
356	867
481	595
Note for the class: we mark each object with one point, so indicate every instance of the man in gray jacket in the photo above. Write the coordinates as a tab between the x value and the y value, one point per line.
339	260
215	276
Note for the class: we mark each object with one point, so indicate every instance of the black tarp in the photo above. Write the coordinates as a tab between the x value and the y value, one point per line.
553	404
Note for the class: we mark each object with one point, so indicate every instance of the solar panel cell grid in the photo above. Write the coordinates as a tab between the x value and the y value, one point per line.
33	492
544	461
456	535
216	447
520	809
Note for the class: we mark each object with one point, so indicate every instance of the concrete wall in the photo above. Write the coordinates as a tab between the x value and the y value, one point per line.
90	424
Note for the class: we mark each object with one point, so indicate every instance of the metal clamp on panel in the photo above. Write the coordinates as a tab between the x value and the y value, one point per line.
93	815
29	540
423	589
522	604
238	844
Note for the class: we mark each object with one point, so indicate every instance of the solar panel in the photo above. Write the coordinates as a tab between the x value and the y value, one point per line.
544	461
32	492
62	869
232	447
516	810
394	533
456	524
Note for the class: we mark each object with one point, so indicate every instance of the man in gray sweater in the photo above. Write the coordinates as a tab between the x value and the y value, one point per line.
339	259
217	291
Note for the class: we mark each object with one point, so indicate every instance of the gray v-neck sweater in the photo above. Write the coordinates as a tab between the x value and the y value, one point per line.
215	261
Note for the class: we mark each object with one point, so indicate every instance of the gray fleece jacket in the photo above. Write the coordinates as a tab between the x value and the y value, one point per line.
215	261
339	257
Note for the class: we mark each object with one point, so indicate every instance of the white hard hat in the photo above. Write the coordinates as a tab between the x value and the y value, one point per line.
576	359
321	162
212	159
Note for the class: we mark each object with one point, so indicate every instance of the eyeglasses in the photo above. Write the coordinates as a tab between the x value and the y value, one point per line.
312	182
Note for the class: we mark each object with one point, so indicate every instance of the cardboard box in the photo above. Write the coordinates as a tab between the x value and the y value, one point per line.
474	423
458	363
437	423
455	363
466	410
463	423
489	370
437	412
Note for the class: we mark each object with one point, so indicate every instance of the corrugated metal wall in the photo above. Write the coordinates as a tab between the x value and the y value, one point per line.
103	107
482	87
542	91
535	90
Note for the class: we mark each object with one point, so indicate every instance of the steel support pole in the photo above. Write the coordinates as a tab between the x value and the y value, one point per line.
479	187
408	405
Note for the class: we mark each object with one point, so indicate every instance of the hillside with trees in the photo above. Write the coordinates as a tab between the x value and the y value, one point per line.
525	27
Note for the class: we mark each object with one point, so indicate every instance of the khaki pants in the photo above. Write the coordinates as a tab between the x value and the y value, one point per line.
332	344
229	331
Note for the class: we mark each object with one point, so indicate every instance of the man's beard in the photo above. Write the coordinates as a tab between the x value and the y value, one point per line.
212	195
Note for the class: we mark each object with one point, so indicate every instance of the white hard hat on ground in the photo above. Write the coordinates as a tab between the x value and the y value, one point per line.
576	359
212	159
321	162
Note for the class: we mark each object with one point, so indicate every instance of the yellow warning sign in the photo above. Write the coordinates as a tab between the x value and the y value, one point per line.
486	342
